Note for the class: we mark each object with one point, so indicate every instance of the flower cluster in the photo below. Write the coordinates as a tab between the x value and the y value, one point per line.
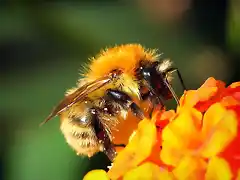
200	140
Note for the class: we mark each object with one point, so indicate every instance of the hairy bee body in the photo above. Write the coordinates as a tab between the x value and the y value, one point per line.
81	127
106	93
82	139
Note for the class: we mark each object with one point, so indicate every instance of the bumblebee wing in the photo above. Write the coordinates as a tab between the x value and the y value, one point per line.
78	95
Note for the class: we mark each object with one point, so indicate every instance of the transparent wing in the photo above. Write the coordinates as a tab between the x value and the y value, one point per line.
78	96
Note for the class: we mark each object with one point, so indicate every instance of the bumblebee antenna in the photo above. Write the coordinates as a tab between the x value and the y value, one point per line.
170	71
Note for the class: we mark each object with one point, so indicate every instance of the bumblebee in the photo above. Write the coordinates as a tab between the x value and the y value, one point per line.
106	93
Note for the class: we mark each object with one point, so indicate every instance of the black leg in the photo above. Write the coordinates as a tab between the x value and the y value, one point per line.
154	99
119	145
125	101
110	152
148	97
171	70
145	96
155	96
103	135
136	111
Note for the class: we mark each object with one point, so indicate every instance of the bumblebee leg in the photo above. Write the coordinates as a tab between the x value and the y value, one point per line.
145	96
155	98
102	134
136	111
124	100
110	152
119	145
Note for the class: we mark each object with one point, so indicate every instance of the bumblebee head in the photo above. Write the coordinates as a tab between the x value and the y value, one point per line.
156	76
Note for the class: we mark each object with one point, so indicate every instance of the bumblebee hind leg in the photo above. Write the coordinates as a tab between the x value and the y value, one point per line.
103	135
125	102
110	151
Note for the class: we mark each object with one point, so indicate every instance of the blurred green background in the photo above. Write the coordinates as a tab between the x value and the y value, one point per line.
43	45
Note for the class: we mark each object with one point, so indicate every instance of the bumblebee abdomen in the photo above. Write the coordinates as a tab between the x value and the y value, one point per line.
82	139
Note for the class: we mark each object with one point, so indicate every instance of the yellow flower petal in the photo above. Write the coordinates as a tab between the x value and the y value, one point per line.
148	171
138	149
220	127
96	174
180	134
190	168
185	124
218	169
188	99
169	155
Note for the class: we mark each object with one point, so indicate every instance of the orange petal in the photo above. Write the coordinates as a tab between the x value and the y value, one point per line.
166	115
205	92
192	97
96	174
232	153
220	128
211	82
148	171
163	118
190	168
234	92
229	101
209	93
210	88
235	85
218	169
238	174
138	149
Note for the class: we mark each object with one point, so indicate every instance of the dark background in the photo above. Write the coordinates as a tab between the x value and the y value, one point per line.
43	45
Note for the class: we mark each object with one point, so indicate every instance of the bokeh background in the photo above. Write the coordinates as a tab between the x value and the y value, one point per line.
43	45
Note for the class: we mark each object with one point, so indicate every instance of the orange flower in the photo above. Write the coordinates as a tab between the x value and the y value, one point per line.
210	92
198	141
202	98
192	139
213	91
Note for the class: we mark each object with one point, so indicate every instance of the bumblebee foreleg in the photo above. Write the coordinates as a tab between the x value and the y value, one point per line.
125	101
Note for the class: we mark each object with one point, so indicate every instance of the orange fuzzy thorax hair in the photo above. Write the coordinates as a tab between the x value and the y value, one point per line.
124	57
